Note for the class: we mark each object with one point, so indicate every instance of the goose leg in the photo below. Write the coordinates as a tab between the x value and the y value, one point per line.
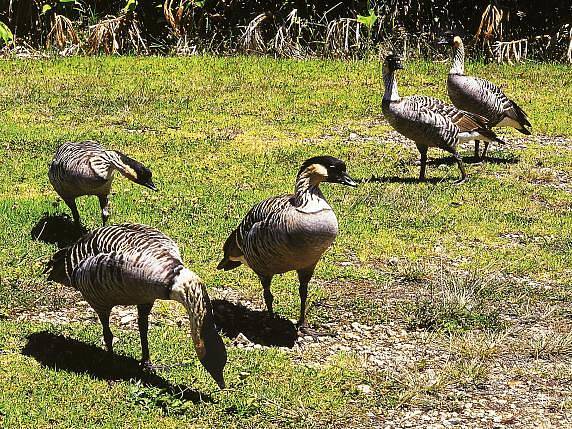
143	311
477	150
304	277
423	151
459	160
268	298
107	334
73	207
104	204
485	150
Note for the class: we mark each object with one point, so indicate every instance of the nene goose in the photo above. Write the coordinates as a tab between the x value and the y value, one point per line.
86	168
136	265
429	122
289	232
481	96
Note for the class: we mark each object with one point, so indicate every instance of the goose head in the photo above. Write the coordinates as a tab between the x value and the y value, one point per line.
392	62
450	39
137	172
326	169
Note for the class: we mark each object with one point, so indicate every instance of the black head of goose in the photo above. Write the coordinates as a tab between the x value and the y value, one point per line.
480	96
86	168
289	232
135	265
135	171
428	121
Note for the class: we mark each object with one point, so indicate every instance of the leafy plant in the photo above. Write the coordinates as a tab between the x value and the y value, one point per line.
368	20
5	34
130	6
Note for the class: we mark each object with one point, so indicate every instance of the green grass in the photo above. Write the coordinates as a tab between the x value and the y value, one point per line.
221	134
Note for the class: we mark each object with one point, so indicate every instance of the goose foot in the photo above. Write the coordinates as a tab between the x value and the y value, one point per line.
147	366
305	330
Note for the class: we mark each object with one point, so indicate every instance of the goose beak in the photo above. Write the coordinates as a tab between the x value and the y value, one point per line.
345	179
220	381
151	186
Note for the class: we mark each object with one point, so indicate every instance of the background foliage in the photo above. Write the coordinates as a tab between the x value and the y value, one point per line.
285	28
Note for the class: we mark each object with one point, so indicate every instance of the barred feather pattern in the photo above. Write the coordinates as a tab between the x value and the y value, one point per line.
135	265
122	265
483	97
284	233
429	121
84	168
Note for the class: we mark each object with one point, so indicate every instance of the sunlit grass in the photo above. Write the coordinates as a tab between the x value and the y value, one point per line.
223	133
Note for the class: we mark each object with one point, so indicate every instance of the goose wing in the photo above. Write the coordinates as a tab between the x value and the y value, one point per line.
465	122
500	101
150	253
86	158
260	217
136	277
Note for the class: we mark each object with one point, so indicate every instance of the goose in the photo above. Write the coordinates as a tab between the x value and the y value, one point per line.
289	232
481	96
428	121
86	168
133	264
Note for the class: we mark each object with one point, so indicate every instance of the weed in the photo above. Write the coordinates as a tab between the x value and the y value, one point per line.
457	303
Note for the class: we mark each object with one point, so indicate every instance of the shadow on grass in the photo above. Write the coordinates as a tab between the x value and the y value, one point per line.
397	179
66	354
59	229
255	325
449	160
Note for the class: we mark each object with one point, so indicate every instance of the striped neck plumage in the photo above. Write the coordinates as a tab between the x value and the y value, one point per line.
308	197
118	164
390	82
458	66
188	290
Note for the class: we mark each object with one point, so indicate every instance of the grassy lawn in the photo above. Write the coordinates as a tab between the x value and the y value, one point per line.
439	294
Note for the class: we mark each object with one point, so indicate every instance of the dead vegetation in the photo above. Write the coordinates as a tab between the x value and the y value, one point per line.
117	35
63	34
273	27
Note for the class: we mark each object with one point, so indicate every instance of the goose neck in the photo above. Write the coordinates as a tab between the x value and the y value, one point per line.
458	65
307	192
391	92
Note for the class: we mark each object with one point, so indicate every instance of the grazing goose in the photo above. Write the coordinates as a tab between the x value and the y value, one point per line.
136	265
86	168
429	122
481	96
289	232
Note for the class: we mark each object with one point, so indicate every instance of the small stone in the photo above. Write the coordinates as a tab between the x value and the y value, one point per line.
126	319
356	326
353	136
364	388
241	340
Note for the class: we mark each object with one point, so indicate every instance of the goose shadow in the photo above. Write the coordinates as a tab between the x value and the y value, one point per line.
233	319
397	179
58	229
449	160
61	353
